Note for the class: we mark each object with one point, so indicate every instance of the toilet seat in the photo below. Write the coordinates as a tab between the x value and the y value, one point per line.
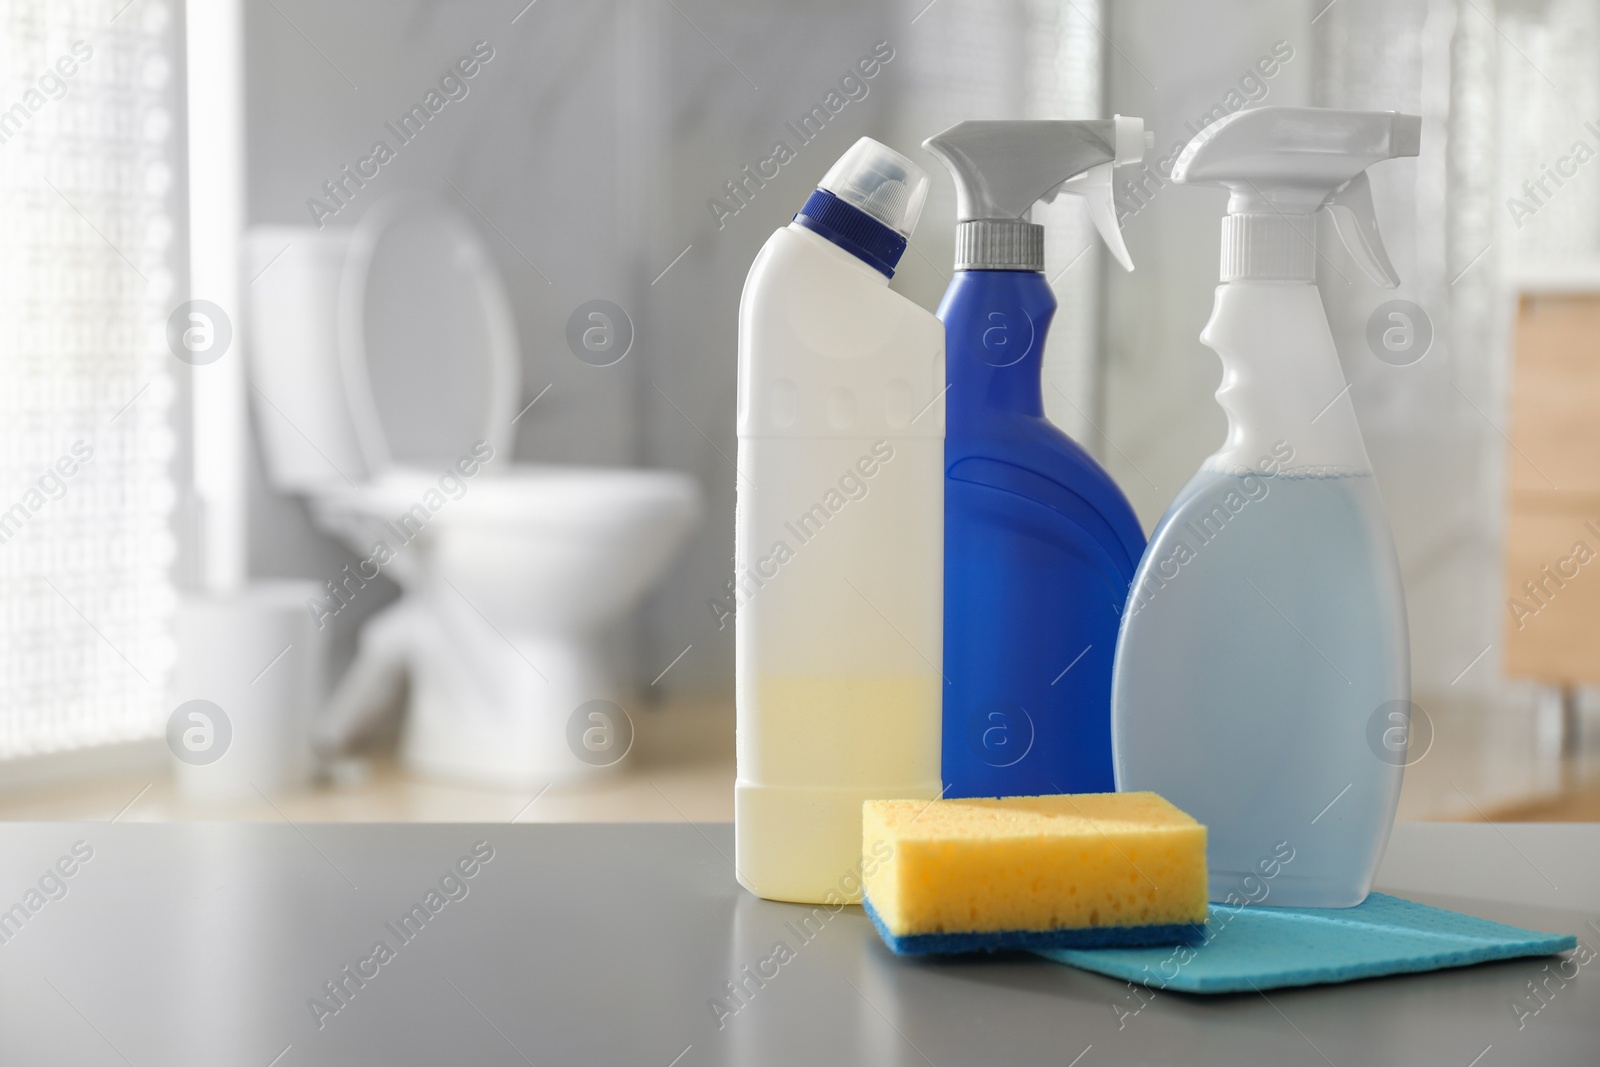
416	282
408	256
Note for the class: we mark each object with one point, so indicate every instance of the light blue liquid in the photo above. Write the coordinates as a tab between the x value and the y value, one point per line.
1265	633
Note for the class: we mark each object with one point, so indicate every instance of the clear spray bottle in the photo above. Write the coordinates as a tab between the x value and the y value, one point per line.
1265	633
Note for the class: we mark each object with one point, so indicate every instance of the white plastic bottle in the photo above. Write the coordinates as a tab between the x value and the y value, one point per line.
840	529
1263	661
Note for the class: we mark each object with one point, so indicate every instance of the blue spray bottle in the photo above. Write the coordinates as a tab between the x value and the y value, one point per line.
1040	544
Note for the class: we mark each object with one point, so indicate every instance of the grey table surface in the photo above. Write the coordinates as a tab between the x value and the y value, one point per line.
215	943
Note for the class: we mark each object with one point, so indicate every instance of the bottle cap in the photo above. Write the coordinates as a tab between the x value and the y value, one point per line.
876	179
868	203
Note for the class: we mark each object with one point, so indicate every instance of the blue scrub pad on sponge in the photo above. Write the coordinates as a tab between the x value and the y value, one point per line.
1092	937
1252	948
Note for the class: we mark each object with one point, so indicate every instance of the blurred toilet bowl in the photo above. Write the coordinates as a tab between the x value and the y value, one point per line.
384	364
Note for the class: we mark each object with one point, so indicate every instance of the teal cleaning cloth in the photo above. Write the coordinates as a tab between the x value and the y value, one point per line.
1252	948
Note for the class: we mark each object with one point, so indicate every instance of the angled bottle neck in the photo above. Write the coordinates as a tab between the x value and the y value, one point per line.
996	322
1283	389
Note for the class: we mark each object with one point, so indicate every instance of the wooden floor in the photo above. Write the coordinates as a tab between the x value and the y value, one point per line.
1576	805
682	769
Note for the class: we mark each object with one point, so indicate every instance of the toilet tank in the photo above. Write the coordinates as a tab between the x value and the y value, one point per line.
308	439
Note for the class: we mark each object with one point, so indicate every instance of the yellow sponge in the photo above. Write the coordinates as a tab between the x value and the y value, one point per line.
1084	871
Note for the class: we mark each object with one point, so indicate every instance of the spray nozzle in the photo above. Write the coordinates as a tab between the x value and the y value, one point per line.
1281	166
1002	168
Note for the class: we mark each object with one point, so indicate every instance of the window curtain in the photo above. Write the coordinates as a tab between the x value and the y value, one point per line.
86	241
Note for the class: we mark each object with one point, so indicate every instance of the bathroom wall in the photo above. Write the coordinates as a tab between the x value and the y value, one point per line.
586	151
1497	98
1437	459
1176	65
590	152
530	155
593	150
947	62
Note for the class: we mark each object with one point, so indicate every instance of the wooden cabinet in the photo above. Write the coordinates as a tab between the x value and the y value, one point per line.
1552	555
